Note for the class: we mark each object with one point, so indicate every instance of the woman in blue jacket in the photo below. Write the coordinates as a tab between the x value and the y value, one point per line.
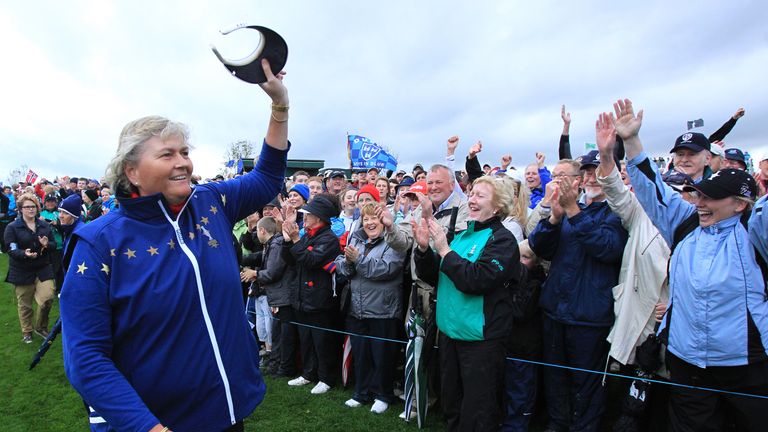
154	333
717	319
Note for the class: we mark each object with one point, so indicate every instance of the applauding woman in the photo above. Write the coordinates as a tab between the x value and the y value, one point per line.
474	274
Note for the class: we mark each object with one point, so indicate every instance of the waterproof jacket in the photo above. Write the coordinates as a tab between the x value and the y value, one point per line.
271	274
375	279
153	324
718	310
525	340
311	260
537	193
474	281
585	252
23	270
643	271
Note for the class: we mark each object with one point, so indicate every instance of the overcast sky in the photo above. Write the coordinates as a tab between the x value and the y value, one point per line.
405	74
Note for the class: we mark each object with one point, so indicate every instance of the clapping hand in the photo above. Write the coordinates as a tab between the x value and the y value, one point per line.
421	233
437	233
351	254
43	241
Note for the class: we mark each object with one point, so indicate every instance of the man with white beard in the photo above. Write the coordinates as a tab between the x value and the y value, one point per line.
585	241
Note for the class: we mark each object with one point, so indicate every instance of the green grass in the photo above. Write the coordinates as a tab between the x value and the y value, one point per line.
43	400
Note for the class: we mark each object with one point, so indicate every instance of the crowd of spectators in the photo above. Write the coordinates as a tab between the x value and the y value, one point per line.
579	266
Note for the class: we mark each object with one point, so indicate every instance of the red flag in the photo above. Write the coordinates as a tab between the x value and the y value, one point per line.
31	177
346	361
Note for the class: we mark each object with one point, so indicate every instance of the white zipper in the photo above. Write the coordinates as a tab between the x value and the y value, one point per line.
201	296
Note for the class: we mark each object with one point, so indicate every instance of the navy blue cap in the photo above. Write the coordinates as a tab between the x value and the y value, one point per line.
726	183
590	159
691	140
735	154
677	180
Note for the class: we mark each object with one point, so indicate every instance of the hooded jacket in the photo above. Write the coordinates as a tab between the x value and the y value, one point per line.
375	279
153	323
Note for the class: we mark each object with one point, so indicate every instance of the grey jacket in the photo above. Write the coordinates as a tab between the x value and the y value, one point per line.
375	279
272	275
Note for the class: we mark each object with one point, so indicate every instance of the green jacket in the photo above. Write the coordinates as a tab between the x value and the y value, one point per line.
474	281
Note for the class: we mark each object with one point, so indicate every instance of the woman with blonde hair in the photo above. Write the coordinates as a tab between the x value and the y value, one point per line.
155	337
29	241
475	275
518	214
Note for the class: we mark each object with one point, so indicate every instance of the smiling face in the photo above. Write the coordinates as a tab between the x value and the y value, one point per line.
295	199
712	211
337	185
480	203
315	187
372	226
348	201
163	167
592	188
532	179
690	162
439	186
311	221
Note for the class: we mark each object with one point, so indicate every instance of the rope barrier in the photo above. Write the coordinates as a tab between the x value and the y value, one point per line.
575	369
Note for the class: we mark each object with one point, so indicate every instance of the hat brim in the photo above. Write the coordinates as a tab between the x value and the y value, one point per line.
693	147
272	47
710	189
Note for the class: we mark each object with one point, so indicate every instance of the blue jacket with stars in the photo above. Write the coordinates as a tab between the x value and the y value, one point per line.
154	328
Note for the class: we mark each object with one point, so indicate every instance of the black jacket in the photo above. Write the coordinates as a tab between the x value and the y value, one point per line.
525	340
23	270
271	275
311	260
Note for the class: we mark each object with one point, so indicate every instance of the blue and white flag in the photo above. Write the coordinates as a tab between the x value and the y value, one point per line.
364	153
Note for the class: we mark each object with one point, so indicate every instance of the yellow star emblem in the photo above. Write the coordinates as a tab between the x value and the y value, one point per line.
191	235
171	244
204	220
81	268
213	243
214	210
224	199
130	253
112	252
152	250
105	268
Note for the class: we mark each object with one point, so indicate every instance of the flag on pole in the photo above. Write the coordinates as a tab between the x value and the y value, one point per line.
364	153
695	123
31	177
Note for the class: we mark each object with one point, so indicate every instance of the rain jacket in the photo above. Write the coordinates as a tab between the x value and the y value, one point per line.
271	274
643	271
153	323
375	279
718	310
474	281
586	255
23	270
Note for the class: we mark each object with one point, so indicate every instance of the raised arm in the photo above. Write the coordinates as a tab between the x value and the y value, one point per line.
277	131
726	128
564	148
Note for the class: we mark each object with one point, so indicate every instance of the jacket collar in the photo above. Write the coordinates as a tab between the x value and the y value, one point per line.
147	208
494	223
721	225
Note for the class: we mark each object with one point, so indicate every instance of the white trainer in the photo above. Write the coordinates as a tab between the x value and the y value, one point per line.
353	403
320	388
300	381
379	406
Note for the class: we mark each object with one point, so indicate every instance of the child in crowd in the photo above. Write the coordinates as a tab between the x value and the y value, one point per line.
524	343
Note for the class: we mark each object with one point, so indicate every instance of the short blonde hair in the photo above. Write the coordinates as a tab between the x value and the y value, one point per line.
28	197
131	145
503	195
368	210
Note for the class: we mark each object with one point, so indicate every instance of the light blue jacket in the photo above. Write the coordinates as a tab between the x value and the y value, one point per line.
758	227
718	307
